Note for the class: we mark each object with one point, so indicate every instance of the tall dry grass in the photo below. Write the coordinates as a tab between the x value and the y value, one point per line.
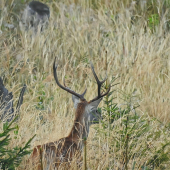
76	35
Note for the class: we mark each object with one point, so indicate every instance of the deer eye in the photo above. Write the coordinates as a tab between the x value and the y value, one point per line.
95	112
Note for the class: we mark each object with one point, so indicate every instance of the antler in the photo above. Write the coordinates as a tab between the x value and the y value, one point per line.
81	96
99	83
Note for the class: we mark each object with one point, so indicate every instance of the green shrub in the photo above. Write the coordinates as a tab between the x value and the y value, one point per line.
135	139
11	157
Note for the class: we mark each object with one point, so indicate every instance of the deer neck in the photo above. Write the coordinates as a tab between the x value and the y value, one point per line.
80	129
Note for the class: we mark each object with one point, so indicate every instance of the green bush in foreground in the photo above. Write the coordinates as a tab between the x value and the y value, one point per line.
11	157
139	142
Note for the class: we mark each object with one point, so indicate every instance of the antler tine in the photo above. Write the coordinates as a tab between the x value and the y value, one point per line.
81	96
94	73
84	92
99	83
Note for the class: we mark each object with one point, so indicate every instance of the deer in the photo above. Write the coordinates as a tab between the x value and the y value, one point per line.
6	103
51	155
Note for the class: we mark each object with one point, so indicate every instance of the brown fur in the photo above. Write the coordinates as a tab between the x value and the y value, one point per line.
75	131
62	151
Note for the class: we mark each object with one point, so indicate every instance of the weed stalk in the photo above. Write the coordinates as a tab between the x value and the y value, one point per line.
85	154
126	146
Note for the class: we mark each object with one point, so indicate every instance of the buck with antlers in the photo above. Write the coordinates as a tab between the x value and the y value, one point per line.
52	155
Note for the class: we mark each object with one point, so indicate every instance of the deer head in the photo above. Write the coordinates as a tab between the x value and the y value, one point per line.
86	111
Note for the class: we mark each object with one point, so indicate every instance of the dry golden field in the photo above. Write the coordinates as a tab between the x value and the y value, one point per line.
78	33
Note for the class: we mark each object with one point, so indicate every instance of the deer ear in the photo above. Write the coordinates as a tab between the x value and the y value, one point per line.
76	100
94	104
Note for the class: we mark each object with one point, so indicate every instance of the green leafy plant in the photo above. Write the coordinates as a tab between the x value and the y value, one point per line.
132	136
153	21
11	157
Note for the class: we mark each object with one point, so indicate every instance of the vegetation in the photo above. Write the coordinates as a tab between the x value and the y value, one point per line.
134	131
11	158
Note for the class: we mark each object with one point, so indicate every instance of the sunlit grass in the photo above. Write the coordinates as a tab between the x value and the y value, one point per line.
76	35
